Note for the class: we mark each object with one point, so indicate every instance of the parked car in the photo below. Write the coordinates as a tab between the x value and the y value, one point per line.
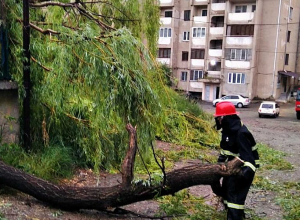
269	108
238	100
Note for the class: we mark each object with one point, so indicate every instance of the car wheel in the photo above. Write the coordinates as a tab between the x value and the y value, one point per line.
239	105
298	115
259	115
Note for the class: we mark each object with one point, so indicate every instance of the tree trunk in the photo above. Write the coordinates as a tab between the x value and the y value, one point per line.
101	198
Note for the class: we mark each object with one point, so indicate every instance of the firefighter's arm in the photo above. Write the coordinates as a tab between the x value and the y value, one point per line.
245	151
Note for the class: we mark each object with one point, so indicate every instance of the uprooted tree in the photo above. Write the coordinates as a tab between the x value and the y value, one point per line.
91	76
127	192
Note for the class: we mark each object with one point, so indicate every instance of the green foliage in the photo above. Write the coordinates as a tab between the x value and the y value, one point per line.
272	159
96	76
49	163
185	206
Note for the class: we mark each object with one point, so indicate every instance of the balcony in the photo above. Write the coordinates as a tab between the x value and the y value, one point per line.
200	19
239	41
166	21
218	31
166	3
234	64
212	77
215	52
241	17
198	42
197	63
166	61
218	7
164	40
200	2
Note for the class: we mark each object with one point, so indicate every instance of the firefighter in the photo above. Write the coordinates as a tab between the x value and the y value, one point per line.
236	141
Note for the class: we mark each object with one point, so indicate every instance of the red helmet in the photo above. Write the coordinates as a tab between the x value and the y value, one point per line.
225	108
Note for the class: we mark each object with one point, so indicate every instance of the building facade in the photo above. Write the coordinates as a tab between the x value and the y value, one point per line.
222	47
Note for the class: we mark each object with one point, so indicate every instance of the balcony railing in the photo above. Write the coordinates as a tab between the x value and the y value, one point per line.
164	40
216	30
198	42
166	21
215	52
166	61
197	62
237	64
200	19
241	17
166	2
200	2
218	7
239	40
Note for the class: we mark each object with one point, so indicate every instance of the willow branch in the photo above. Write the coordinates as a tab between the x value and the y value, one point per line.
45	68
48	31
45	4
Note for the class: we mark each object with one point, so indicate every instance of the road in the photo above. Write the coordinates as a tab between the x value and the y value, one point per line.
280	133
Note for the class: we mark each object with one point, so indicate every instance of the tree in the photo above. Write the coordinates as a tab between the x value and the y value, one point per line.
127	192
91	75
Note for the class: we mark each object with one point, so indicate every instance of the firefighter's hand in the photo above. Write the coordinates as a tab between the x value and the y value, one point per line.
223	167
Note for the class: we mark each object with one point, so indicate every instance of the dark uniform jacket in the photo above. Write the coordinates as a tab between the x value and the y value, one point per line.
237	141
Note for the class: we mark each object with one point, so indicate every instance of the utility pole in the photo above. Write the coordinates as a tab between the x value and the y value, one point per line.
26	77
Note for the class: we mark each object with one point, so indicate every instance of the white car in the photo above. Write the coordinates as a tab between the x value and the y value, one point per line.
269	108
238	100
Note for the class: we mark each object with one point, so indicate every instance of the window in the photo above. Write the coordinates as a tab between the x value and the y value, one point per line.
240	8
164	53
288	36
186	36
286	60
168	14
238	54
253	8
183	76
185	55
199	32
291	13
196	74
236	78
197	53
165	32
240	30
204	12
187	15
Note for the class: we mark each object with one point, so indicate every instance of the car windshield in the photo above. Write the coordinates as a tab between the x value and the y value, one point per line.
298	95
267	106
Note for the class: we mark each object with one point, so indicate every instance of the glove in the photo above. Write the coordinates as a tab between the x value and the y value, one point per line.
217	189
247	174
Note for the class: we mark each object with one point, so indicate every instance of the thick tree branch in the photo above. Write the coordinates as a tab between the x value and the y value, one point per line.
128	163
101	198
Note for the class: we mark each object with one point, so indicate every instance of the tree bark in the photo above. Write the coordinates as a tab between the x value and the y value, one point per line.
101	198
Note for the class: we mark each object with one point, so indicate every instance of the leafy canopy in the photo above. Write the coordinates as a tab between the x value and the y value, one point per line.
93	70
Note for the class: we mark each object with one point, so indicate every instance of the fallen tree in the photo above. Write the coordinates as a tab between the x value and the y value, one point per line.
127	192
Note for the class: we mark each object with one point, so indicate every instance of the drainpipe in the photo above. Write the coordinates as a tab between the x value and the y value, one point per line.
275	56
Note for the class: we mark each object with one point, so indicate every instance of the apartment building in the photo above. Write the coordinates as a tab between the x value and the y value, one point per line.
221	47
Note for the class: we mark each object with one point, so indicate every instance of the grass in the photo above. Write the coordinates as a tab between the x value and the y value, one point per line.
50	164
273	159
